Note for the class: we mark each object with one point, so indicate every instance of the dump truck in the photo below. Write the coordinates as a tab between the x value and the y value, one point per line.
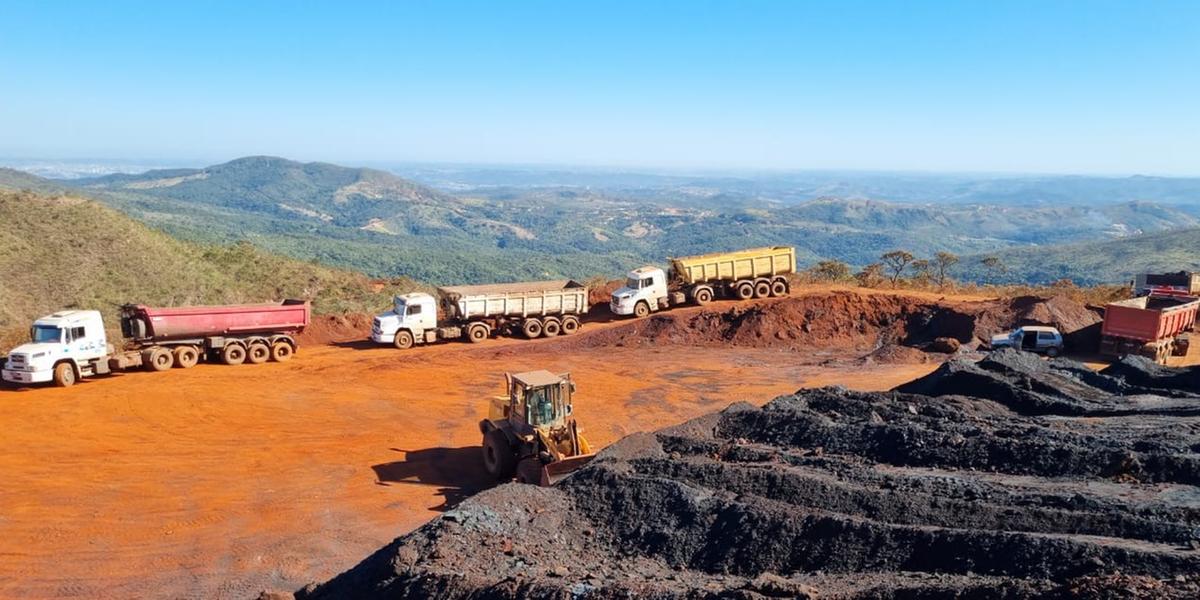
70	345
1181	283
1153	326
744	274
476	312
530	433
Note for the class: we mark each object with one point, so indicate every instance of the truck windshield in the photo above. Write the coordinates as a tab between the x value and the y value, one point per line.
43	334
399	307
633	283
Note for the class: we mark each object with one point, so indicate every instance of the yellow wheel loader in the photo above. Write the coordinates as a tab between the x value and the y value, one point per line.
530	433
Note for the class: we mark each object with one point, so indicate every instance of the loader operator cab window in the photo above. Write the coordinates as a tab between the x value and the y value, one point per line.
46	334
540	405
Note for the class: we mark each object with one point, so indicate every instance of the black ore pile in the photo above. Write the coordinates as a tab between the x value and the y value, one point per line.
1011	478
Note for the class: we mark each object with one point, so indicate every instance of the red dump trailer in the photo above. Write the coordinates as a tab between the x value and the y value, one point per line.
254	333
1152	326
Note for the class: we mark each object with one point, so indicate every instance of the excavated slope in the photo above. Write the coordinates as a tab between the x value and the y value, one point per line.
1045	482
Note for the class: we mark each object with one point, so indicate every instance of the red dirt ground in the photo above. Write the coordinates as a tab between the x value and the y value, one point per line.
219	482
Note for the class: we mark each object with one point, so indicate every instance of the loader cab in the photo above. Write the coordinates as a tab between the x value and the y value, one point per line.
540	399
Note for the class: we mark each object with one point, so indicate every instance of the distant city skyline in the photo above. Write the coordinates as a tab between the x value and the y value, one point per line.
1023	87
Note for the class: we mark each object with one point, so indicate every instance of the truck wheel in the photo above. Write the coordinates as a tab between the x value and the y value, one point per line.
762	289
186	357
64	374
498	459
161	359
744	290
258	353
779	288
551	327
703	296
233	354
404	339
570	325
477	333
281	351
532	328
641	310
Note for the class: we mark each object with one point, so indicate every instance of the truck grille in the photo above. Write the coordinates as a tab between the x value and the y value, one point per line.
18	361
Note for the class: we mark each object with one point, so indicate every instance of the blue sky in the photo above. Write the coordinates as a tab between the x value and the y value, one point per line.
1040	86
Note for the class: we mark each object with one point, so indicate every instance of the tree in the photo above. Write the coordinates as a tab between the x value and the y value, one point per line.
922	271
896	261
942	262
870	275
830	270
994	267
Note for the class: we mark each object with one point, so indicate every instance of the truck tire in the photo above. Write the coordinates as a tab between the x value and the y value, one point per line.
404	339
160	359
744	290
570	325
64	374
258	353
186	357
281	351
762	289
477	332
641	310
551	327
498	458
703	296
233	354
779	288
532	328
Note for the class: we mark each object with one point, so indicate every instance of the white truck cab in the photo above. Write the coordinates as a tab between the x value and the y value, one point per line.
415	313
643	292
63	347
1031	338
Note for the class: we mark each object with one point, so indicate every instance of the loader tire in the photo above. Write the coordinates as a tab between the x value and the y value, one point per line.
498	458
258	353
744	290
529	470
762	289
570	325
532	328
641	310
477	333
551	327
160	359
64	374
281	351
404	339
233	354
186	357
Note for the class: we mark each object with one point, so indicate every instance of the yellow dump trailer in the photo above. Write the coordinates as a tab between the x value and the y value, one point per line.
749	264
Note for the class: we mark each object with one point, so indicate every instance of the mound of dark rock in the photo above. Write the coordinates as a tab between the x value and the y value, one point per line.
1144	373
836	494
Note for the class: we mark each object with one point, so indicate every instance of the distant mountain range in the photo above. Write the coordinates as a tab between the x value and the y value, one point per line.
386	225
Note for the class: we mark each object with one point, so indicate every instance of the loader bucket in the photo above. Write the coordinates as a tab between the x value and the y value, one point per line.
553	472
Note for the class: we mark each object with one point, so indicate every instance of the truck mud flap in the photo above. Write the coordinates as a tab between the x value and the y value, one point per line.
555	471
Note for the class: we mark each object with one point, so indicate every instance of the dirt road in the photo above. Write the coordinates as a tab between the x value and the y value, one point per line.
224	481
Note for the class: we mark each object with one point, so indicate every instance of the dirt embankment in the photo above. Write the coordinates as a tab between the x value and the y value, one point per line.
837	494
878	323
